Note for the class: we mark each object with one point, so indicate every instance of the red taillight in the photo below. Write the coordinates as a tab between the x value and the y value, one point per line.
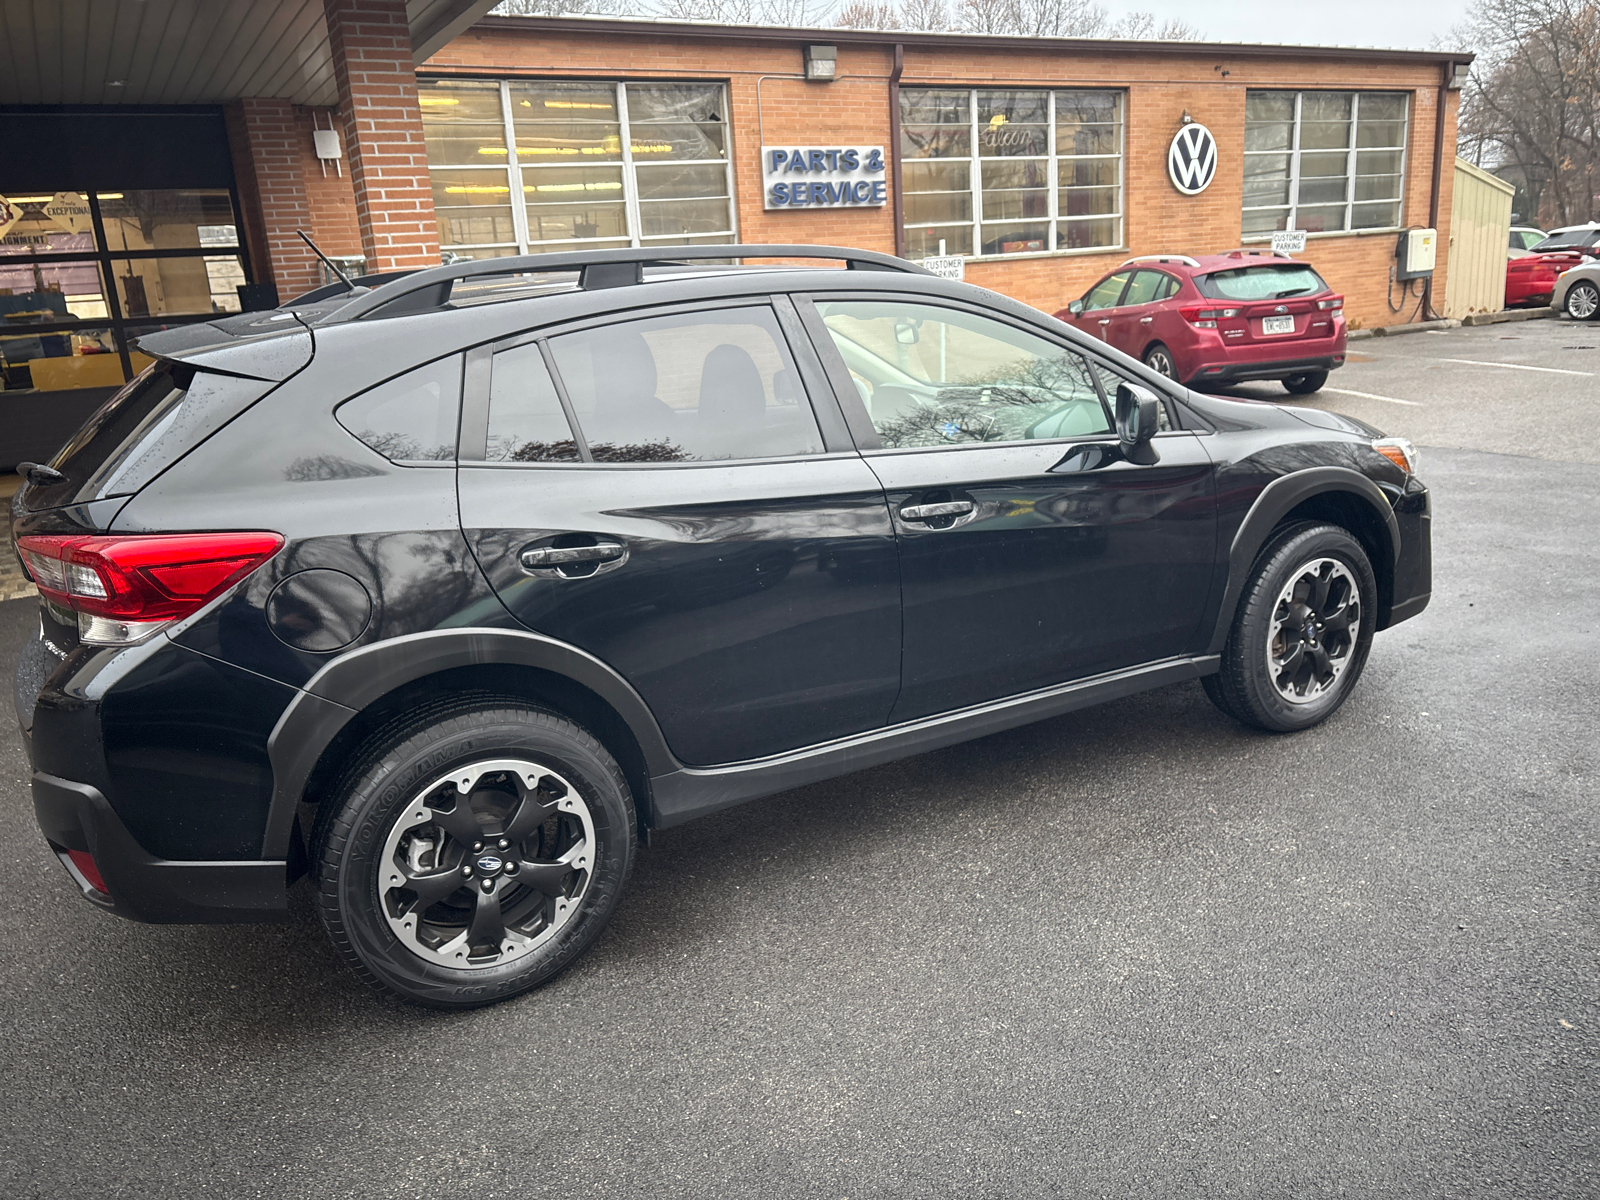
123	588
1206	318
1330	303
84	861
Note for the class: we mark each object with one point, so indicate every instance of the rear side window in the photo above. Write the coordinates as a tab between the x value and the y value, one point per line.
1147	287
526	420
1274	282
687	388
413	417
164	413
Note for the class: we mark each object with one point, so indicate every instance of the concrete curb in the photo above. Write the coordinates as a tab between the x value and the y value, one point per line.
1510	314
1355	335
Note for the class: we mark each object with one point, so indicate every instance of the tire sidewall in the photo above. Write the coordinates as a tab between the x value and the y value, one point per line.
349	865
1276	566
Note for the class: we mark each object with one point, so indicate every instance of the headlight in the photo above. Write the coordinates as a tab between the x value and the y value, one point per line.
1399	451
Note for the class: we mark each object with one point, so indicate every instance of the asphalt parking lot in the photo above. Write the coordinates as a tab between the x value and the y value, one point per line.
1135	951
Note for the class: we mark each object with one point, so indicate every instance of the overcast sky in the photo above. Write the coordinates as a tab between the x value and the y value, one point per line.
1402	25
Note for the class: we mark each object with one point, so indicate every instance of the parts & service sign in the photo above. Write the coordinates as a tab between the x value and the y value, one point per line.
1192	159
824	176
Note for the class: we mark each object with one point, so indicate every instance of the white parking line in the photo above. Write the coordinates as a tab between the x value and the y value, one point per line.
1370	396
1473	362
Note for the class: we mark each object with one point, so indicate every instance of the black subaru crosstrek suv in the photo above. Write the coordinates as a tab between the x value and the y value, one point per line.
449	590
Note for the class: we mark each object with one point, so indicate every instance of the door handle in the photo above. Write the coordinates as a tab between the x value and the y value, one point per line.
1105	320
945	508
555	560
1145	320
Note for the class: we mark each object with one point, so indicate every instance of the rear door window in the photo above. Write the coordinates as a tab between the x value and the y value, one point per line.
690	387
1263	282
526	420
1145	287
412	417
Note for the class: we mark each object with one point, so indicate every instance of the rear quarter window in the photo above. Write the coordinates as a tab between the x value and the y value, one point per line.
412	417
1263	282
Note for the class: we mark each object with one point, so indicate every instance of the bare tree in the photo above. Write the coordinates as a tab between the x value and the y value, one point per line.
1029	18
561	8
1532	102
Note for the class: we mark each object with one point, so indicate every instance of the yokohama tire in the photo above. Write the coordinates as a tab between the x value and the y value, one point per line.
1280	599
378	798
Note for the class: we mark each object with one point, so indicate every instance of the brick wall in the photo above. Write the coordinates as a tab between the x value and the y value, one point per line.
376	75
855	110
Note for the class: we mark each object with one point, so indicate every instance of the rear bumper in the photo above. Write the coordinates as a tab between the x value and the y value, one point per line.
142	887
1238	372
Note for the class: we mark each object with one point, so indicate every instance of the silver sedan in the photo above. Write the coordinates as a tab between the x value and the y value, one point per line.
1577	292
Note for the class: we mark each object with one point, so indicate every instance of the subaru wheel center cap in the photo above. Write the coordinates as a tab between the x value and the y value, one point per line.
489	864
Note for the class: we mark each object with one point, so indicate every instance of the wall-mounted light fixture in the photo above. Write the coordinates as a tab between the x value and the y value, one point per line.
1459	76
822	63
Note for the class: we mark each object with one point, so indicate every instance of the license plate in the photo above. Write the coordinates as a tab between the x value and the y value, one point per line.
1277	324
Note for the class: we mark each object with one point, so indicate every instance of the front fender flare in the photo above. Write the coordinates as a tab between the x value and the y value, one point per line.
1277	500
344	687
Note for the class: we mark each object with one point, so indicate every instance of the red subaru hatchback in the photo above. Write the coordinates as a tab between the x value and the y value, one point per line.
1220	319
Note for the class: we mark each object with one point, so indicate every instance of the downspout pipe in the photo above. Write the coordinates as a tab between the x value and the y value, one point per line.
1447	77
897	203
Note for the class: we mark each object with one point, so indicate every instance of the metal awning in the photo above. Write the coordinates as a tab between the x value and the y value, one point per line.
188	51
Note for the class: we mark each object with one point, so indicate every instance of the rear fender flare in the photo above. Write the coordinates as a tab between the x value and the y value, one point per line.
338	692
1277	500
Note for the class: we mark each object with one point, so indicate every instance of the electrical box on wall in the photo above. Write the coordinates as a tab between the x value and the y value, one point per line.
1414	254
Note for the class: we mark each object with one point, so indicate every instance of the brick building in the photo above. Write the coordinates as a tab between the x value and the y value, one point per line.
395	133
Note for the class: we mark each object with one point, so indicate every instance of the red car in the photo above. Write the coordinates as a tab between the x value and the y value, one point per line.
1220	319
1531	278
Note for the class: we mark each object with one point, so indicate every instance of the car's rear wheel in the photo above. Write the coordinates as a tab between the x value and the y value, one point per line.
1583	301
473	852
1306	382
1159	359
1302	631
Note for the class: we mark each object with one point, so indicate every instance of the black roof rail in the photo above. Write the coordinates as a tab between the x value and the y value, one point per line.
427	290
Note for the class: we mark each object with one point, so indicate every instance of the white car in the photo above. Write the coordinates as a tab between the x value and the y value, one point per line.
1523	239
1577	292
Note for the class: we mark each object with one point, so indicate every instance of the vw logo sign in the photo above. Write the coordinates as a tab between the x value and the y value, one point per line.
1192	159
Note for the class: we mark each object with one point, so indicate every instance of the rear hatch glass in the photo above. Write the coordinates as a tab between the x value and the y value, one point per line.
1276	282
146	427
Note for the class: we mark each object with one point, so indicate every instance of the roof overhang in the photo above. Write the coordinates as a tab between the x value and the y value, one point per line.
180	52
662	27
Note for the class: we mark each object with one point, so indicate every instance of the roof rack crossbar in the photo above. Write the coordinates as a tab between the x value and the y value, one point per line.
428	290
1255	252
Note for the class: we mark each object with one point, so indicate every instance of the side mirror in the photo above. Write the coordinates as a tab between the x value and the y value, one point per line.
1138	414
1076	308
907	332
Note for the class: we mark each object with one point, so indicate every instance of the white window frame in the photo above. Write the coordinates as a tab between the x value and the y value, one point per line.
1350	201
1053	162
630	184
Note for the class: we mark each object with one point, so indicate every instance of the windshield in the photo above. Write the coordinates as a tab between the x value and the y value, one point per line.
1274	282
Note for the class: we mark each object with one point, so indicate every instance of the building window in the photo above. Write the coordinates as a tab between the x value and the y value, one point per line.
1323	161
1010	172
534	165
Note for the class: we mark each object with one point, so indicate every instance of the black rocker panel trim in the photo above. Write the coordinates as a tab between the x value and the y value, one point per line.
1277	500
352	682
690	792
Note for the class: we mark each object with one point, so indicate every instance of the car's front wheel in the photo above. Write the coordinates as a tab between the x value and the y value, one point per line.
473	852
1583	301
1302	631
1306	383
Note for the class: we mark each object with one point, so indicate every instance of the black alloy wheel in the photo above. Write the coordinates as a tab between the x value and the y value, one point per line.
1583	301
1159	359
1302	632
1306	382
475	852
